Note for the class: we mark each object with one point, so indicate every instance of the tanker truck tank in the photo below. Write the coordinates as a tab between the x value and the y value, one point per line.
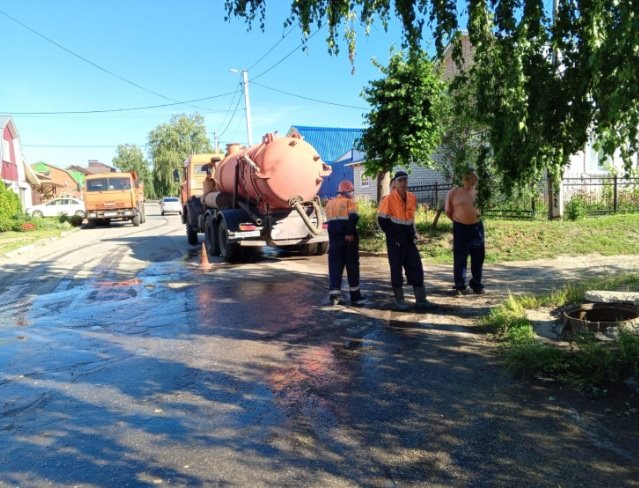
262	195
273	172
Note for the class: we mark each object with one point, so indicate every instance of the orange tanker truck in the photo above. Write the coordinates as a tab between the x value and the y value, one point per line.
265	194
114	196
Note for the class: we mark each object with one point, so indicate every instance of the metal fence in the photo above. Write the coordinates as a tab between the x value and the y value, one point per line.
594	195
598	195
432	194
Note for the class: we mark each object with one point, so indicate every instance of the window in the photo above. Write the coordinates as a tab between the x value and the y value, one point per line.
365	181
98	184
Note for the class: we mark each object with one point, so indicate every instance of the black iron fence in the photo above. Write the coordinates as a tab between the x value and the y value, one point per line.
591	195
431	194
598	195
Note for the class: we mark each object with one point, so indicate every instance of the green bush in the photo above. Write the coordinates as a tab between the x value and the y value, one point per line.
575	208
10	206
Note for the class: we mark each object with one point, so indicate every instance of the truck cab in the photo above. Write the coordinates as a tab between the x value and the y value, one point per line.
114	196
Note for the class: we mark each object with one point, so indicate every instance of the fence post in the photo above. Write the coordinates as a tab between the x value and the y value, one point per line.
615	203
436	196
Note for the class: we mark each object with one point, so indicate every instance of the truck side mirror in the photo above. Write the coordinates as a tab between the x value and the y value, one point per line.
176	175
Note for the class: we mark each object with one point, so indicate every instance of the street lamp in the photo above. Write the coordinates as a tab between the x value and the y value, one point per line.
247	103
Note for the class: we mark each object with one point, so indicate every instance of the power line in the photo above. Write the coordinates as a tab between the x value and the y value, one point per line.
232	116
307	98
95	65
270	50
146	107
287	56
65	146
228	110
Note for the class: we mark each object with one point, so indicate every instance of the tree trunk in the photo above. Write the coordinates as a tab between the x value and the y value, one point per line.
383	185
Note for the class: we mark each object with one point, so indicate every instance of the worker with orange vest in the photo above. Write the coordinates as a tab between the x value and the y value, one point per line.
343	244
396	217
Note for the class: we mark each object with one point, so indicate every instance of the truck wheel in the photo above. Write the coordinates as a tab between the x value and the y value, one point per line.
91	223
308	249
211	237
136	220
322	248
191	234
142	214
229	251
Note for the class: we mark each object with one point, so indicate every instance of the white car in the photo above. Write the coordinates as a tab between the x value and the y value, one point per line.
170	204
58	206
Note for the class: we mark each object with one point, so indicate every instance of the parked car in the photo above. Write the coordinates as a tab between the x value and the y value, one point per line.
58	206
170	204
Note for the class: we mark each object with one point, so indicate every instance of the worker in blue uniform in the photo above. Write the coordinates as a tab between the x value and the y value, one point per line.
343	244
396	217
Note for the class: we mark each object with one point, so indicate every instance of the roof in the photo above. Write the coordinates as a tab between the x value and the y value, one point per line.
330	142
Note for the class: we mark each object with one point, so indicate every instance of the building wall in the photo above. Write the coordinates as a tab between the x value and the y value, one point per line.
63	183
366	187
9	160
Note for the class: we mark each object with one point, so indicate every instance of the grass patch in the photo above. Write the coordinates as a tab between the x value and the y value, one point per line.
514	240
31	231
587	362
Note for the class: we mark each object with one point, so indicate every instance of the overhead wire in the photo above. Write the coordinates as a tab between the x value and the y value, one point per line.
317	100
146	107
301	44
95	65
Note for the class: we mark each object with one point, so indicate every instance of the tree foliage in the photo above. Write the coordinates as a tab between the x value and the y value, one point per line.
130	157
170	144
545	84
407	107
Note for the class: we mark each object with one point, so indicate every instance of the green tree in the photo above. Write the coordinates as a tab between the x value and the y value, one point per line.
10	207
545	83
170	144
404	124
130	157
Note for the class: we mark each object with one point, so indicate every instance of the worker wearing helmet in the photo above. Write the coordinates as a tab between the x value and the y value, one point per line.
396	217
343	248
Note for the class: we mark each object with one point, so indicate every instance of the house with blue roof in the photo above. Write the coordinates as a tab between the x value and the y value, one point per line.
331	143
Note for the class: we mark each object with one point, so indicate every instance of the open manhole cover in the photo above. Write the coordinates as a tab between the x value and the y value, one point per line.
600	318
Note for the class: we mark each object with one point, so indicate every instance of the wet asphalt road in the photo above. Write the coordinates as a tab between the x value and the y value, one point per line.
124	363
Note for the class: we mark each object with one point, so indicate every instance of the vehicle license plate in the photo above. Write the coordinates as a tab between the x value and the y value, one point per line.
249	233
110	214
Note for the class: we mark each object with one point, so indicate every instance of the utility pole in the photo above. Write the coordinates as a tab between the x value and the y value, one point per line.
247	104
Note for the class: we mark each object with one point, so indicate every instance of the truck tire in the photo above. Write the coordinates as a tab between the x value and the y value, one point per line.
211	237
191	234
90	223
136	220
142	214
322	248
308	249
229	251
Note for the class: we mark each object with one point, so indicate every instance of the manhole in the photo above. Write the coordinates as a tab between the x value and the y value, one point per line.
600	318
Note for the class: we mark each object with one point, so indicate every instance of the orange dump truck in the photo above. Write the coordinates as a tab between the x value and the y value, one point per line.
261	195
114	196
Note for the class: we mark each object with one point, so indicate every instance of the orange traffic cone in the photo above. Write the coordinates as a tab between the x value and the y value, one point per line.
204	257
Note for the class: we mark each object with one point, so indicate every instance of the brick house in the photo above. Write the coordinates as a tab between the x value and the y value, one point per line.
55	182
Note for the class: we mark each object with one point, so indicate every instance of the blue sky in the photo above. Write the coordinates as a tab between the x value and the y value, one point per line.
181	51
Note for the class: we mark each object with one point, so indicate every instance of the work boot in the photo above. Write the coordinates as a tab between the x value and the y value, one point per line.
335	299
420	299
357	298
400	302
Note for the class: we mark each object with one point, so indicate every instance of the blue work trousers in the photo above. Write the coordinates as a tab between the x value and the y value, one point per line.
343	254
468	240
403	255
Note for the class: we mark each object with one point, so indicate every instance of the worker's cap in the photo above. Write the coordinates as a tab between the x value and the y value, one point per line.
400	175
